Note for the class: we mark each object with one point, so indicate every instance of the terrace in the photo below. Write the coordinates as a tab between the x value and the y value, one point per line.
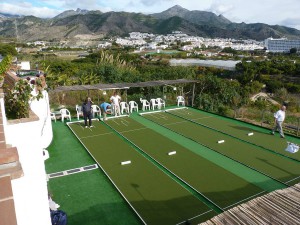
202	180
106	195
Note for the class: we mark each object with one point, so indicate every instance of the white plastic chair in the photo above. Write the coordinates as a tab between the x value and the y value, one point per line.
161	103
153	103
180	100
79	111
96	110
145	104
53	117
65	114
124	107
133	105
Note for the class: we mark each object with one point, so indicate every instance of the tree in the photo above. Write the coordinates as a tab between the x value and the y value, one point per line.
229	50
293	50
6	49
17	100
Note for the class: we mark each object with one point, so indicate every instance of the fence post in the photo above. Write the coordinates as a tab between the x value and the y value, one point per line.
263	117
298	127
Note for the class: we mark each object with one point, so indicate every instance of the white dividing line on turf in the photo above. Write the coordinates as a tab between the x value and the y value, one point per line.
127	131
201	118
159	116
125	124
167	110
79	121
293	179
184	222
150	112
96	135
115	117
72	171
99	165
244	200
167	124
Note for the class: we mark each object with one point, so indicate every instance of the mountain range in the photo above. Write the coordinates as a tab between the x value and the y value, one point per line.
94	24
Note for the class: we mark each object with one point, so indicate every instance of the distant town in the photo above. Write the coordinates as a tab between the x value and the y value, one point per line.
155	42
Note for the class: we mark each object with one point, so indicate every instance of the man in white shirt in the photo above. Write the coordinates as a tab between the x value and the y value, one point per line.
115	101
279	117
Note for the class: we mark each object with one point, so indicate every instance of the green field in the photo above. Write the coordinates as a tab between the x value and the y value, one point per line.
239	130
198	182
221	187
269	163
155	197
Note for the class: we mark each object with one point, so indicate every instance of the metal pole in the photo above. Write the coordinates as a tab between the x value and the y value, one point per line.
262	118
298	128
193	94
126	94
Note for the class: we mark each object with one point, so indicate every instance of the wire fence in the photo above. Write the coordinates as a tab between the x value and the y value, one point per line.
265	118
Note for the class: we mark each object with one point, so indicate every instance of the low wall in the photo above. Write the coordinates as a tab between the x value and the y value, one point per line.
31	136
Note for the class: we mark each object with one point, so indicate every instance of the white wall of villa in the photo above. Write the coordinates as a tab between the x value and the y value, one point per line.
30	191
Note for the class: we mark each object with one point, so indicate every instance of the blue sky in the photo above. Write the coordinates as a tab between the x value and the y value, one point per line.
281	12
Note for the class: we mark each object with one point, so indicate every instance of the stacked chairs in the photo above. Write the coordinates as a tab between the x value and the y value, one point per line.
161	103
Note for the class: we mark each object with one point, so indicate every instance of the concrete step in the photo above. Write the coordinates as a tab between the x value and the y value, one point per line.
14	170
8	155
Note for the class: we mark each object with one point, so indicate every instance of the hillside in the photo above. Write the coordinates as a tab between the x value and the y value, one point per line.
71	24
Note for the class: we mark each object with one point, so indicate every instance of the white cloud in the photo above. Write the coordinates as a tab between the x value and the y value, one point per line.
28	9
221	8
264	11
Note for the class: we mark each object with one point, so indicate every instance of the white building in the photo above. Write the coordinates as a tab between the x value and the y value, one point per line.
104	44
24	65
281	45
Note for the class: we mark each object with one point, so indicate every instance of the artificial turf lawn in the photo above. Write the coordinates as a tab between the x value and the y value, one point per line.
239	130
276	166
156	197
88	198
220	186
65	151
226	163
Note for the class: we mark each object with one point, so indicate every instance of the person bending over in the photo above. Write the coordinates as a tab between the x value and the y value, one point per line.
104	108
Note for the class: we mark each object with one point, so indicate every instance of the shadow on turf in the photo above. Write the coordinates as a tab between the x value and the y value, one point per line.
247	129
113	214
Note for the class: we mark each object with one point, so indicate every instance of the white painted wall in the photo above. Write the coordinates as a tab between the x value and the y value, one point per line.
30	191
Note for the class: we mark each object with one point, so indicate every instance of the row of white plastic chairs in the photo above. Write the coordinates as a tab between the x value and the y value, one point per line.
154	103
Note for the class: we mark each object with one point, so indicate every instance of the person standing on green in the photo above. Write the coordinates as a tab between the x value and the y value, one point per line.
279	117
87	111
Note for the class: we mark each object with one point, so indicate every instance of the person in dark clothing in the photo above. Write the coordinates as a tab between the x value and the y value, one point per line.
87	111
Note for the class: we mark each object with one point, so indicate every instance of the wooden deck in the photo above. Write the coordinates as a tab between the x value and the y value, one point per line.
278	207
